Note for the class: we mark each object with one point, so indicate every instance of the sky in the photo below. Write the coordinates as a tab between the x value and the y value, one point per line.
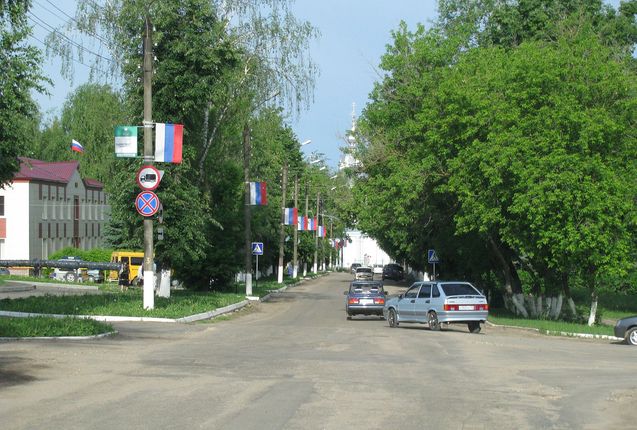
354	35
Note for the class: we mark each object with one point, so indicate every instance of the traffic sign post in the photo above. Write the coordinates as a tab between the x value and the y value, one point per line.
432	258
257	249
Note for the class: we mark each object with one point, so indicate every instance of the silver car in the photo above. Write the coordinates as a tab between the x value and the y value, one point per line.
436	302
364	273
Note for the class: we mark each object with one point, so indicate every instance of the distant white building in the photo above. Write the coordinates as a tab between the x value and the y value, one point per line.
47	207
362	249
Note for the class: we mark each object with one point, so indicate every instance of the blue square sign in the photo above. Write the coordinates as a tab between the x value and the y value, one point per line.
257	248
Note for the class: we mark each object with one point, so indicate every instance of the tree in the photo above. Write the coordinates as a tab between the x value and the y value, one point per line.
89	116
19	75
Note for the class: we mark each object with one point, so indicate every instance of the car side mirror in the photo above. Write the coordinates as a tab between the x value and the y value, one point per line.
401	296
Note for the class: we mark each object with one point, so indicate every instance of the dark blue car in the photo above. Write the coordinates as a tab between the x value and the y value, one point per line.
365	298
627	328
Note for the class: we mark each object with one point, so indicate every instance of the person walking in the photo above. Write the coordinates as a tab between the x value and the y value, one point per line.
123	277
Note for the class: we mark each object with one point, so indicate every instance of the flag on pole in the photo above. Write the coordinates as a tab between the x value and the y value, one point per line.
258	194
168	142
321	231
126	141
76	146
313	224
290	216
301	223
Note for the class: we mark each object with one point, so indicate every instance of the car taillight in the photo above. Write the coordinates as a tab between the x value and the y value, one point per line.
379	301
353	301
484	307
447	307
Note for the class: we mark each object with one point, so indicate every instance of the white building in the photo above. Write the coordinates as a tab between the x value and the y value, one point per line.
47	207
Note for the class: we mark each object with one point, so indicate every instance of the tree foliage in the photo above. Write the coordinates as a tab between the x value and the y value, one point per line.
20	74
503	138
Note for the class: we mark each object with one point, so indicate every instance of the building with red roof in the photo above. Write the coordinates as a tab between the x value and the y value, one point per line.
49	206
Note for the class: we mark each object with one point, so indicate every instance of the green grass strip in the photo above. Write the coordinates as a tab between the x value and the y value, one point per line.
551	326
50	327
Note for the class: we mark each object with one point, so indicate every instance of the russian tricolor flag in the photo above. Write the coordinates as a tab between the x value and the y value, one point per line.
258	194
168	142
302	223
290	216
76	146
313	224
321	231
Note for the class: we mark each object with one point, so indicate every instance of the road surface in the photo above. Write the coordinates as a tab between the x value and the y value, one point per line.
297	363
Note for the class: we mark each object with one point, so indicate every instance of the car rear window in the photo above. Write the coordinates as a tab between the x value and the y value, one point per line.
459	290
363	270
366	289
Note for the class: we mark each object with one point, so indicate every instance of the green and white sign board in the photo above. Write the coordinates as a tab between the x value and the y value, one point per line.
126	141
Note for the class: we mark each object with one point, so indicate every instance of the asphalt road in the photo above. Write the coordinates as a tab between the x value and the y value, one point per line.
297	363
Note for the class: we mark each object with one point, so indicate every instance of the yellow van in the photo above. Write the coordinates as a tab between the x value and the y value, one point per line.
135	260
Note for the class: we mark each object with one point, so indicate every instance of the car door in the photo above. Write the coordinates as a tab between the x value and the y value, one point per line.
422	303
437	300
406	304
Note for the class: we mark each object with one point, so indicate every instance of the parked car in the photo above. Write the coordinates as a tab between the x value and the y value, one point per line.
365	298
378	270
393	271
627	328
364	273
354	267
436	302
73	275
4	271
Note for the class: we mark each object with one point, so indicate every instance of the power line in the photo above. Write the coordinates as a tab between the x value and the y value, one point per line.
95	35
47	27
94	68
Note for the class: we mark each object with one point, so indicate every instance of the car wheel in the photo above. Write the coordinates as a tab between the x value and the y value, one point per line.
631	336
392	319
434	325
70	277
91	279
474	327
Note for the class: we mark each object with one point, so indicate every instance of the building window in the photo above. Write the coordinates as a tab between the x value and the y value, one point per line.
64	229
48	228
1	205
40	191
85	230
57	229
39	230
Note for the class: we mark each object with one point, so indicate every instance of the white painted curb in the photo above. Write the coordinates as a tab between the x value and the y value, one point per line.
560	333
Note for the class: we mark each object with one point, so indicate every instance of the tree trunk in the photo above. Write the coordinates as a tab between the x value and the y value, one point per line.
592	315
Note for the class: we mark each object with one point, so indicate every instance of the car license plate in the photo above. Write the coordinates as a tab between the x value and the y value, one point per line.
366	301
465	308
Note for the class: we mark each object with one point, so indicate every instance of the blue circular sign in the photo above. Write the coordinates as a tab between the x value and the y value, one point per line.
147	203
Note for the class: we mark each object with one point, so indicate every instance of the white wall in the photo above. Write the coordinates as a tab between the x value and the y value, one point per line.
364	250
16	211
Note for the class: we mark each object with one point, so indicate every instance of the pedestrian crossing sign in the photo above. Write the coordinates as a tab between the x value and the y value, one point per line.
257	248
432	257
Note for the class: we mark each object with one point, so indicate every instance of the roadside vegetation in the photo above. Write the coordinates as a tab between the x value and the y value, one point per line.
112	302
50	327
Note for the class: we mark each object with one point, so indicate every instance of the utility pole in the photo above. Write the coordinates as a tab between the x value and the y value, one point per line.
295	262
149	275
246	209
282	232
307	203
316	241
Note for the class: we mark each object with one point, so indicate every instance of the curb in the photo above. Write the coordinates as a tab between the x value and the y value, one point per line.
559	333
53	338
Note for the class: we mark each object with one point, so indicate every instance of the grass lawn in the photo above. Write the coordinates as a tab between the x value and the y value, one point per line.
44	326
502	317
112	302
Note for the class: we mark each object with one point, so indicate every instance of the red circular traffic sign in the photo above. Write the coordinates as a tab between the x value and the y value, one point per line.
147	203
148	178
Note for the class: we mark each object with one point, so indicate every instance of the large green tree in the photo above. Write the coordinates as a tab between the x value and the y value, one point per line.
89	116
20	74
